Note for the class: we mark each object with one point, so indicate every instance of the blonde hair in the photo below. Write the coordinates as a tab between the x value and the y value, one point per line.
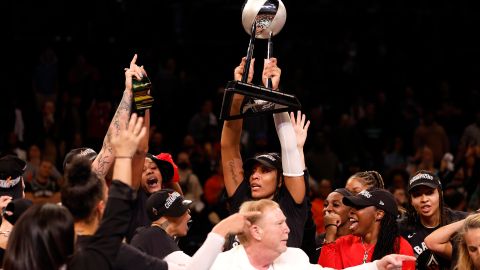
464	261
253	206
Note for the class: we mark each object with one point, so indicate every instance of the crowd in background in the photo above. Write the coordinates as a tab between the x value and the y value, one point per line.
376	102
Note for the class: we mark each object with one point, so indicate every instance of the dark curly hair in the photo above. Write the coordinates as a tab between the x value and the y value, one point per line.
388	240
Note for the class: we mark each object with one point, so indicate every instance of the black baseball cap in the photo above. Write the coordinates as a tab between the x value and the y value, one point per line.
17	207
271	160
168	169
166	202
345	192
424	178
11	172
377	197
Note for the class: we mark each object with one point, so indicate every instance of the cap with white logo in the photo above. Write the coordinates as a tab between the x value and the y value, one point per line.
377	197
424	178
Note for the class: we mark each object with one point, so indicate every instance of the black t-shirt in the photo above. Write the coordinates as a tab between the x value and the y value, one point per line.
155	242
128	257
296	213
104	246
139	214
426	260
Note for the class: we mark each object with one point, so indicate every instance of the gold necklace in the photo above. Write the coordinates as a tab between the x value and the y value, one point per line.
365	254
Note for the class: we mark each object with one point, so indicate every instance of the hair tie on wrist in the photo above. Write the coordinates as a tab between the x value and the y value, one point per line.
129	157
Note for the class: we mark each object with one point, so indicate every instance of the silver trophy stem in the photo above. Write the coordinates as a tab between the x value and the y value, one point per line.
269	55
251	46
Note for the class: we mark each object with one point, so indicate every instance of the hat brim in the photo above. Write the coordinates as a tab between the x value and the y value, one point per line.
165	167
356	202
16	191
179	211
249	163
427	184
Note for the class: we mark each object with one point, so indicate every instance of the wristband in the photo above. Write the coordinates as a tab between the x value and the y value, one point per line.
129	157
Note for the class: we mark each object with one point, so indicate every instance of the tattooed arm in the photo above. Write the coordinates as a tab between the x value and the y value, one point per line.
102	163
230	140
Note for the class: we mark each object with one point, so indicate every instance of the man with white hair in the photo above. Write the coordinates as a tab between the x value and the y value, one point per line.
263	245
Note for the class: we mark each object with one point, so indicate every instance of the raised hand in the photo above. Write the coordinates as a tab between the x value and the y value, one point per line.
271	71
133	70
331	218
238	72
300	127
4	201
234	224
393	261
125	144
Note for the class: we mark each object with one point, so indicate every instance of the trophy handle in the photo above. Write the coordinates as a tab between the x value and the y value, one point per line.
251	46
269	54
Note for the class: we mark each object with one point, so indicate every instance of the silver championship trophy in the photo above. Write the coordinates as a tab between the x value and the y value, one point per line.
261	19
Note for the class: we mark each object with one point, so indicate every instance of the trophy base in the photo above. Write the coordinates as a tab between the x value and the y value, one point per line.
141	103
257	100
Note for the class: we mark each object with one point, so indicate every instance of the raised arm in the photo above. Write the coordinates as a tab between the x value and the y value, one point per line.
230	140
125	145
207	253
139	157
292	162
300	125
102	250
439	240
102	163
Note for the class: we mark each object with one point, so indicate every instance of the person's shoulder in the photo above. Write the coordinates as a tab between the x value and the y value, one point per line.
294	258
296	251
405	245
455	215
227	256
241	194
147	233
348	239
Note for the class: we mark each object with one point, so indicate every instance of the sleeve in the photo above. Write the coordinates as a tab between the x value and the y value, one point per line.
365	266
329	256
102	250
207	253
178	257
130	256
291	161
406	249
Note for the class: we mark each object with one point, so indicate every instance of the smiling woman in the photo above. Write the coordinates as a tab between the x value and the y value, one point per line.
374	232
336	216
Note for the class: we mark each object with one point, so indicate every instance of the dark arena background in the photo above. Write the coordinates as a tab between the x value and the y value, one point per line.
370	75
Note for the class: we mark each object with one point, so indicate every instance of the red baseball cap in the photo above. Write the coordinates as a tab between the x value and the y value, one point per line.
167	167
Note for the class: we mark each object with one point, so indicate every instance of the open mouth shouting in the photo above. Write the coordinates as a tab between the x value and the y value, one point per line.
153	184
